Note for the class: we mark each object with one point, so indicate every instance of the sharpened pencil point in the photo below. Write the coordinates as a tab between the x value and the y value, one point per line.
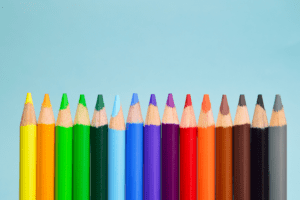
206	106
117	105
64	102
82	100
153	100
100	102
278	104
28	98
260	101
224	108
242	100
170	101
188	100
135	99
46	102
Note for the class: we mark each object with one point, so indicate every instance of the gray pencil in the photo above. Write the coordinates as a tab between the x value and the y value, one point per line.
278	152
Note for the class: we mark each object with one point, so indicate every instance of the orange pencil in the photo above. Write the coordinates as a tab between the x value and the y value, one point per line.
45	152
206	152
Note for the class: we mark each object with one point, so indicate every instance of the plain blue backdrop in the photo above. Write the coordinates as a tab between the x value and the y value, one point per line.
114	47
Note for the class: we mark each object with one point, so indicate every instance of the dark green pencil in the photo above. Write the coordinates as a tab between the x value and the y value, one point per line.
99	152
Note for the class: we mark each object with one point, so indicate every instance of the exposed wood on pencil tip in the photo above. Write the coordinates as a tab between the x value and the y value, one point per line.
242	100
135	113
46	114
224	108
277	104
28	115
260	101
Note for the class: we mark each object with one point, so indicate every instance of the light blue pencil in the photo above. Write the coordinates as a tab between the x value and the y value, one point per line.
116	153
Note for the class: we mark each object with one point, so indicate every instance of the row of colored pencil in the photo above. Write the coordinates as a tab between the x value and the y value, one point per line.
153	160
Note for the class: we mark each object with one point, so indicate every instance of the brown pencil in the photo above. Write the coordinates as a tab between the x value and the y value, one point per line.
241	152
224	152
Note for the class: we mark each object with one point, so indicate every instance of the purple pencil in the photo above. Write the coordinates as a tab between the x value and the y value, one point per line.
152	152
170	152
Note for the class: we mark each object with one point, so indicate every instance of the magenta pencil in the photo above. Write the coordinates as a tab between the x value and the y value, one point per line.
170	152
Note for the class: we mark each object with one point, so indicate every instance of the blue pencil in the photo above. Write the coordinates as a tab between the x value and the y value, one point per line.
134	151
116	153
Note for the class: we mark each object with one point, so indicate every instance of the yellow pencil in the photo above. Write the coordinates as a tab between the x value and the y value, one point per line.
27	190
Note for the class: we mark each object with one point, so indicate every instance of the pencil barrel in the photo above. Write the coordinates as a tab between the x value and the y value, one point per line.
224	163
28	162
134	161
63	163
188	163
152	157
45	161
116	164
99	159
206	163
278	162
241	158
170	161
81	162
259	164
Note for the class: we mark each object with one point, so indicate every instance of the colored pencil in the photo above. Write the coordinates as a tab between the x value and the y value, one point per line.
170	152
81	152
278	152
45	152
224	152
134	151
241	152
99	152
116	153
206	152
152	145
27	182
63	151
188	152
259	153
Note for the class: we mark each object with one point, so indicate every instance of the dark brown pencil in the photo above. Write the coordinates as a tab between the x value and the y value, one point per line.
241	152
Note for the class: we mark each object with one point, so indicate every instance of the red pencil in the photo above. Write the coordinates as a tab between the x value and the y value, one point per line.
188	152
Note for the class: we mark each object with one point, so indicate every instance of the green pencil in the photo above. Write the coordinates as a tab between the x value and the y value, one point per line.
81	152
99	152
63	151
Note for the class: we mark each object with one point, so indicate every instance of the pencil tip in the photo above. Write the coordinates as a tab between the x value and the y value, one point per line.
170	101
242	101
46	102
260	101
100	102
134	99
153	100
206	106
64	102
278	104
82	100
28	98
224	108
188	100
117	105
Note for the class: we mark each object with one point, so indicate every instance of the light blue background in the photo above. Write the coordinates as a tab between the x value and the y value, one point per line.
120	47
